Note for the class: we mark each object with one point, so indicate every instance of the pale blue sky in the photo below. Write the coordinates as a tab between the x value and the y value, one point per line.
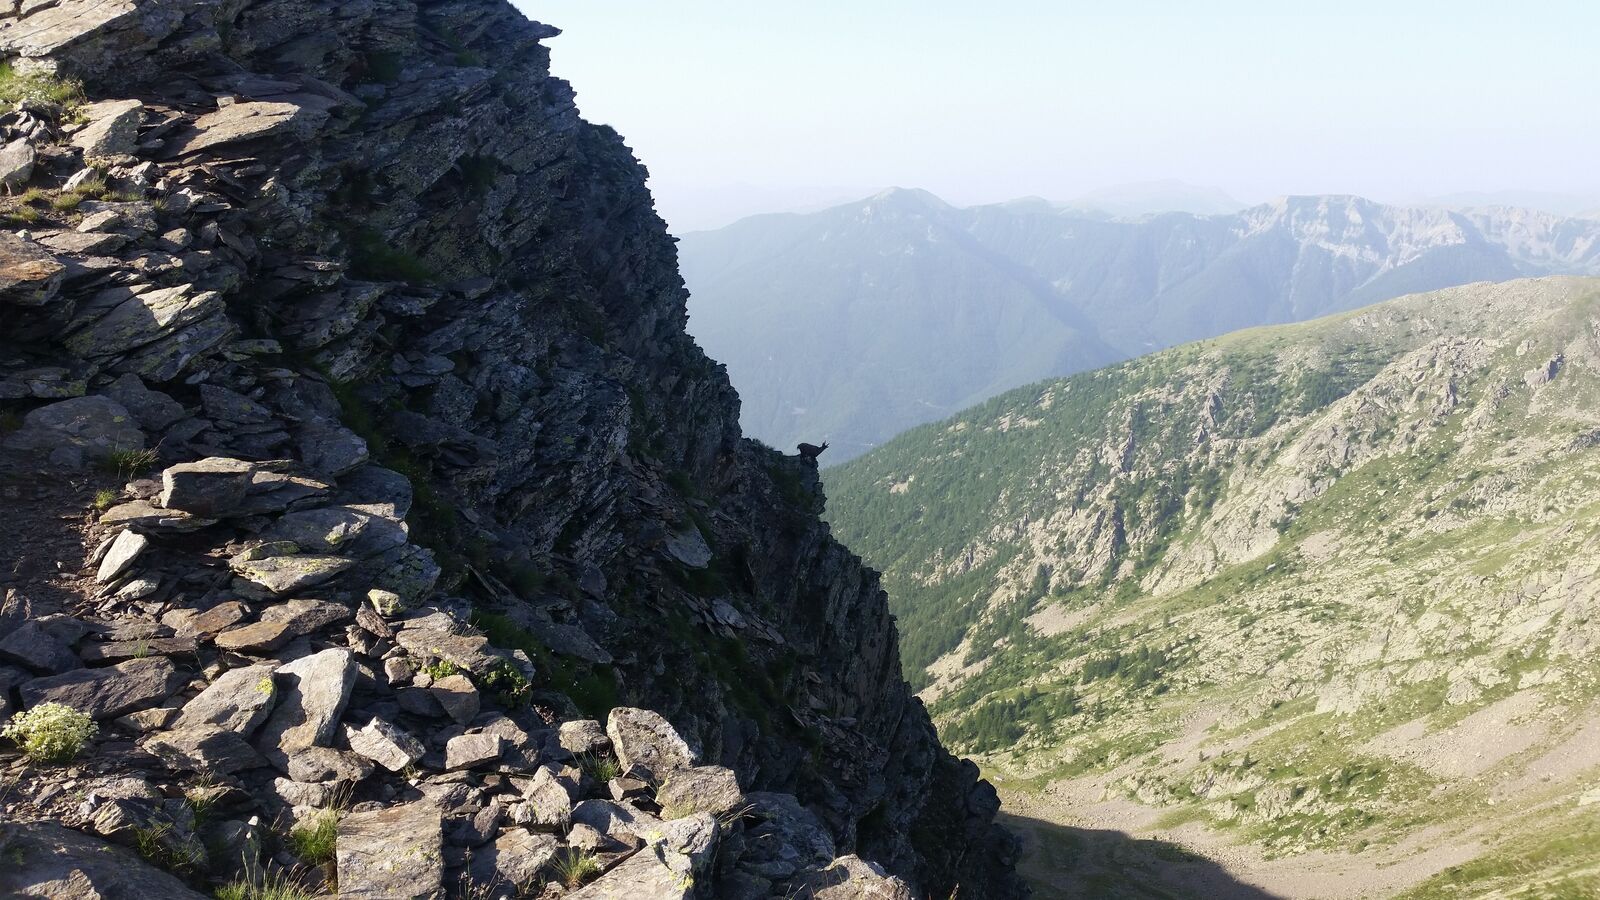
738	106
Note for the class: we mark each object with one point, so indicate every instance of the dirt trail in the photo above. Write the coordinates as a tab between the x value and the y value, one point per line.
1080	841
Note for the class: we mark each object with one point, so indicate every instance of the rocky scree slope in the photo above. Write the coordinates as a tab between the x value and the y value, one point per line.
1325	586
361	468
907	309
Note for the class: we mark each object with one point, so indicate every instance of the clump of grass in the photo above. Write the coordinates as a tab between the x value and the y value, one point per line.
128	463
51	732
600	767
441	668
152	844
316	843
105	498
279	885
16	87
25	215
67	201
575	869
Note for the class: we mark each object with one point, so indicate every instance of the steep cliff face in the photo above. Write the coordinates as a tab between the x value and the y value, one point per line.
349	242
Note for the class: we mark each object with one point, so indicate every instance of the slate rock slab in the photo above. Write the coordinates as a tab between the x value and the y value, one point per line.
392	854
646	744
313	692
109	692
46	861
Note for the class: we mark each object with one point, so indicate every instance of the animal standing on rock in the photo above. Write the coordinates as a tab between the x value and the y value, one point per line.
811	451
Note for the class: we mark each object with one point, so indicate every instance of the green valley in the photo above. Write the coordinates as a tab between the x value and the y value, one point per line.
1320	601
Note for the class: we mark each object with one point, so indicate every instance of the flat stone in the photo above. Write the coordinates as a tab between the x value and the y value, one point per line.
547	799
257	637
158	323
459	698
392	853
95	426
327	764
326	530
109	692
138	648
142	515
113	129
640	876
700	789
239	700
29	274
217	618
223	405
33	647
49	862
385	743
246	122
305	616
468	750
331	449
646	744
204	750
81	244
288	574
689	548
214	487
313	692
516	857
124	550
608	817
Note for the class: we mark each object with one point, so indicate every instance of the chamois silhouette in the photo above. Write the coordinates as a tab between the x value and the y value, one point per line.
811	451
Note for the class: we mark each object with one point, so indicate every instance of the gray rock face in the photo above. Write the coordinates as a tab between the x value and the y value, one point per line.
153	410
313	694
247	122
287	574
213	487
96	426
48	862
109	692
392	854
646	744
458	696
583	736
239	701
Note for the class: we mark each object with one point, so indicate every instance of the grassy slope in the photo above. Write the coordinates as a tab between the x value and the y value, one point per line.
1312	534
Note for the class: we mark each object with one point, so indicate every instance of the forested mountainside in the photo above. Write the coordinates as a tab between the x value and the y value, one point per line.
1327	588
372	521
856	323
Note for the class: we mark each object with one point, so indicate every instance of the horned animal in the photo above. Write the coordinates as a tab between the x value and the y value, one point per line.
811	451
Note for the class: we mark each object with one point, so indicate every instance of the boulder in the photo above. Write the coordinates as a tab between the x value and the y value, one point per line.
162	325
701	789
547	800
16	164
642	876
154	410
239	700
45	861
110	692
466	751
392	853
459	698
385	743
213	487
113	129
101	652
646	744
330	529
581	736
95	426
313	693
326	764
247	122
516	857
204	749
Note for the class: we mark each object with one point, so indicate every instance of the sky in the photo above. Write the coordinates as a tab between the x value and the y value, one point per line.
744	106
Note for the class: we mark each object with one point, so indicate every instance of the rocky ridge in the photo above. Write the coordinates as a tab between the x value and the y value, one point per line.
360	476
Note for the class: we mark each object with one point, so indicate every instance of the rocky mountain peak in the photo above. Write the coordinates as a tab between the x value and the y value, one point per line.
373	511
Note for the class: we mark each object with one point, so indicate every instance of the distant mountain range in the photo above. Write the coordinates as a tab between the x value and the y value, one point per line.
855	323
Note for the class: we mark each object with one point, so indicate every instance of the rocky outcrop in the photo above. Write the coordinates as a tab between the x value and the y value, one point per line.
375	354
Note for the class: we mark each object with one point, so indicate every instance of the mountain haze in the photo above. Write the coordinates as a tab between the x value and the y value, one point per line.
858	322
1322	599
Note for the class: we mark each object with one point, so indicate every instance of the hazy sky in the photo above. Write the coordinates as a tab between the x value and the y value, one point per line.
743	105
